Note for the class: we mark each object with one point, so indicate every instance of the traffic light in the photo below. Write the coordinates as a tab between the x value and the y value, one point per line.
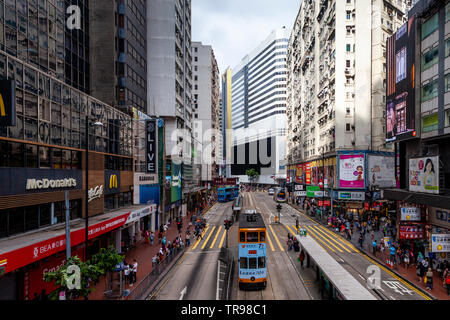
226	224
279	207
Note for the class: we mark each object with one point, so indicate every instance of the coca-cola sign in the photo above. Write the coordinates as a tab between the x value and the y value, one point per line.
95	193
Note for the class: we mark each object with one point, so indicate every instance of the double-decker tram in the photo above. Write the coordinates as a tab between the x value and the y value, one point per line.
280	195
226	194
252	251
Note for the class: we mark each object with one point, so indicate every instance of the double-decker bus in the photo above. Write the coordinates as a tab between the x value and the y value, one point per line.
252	251
280	195
226	194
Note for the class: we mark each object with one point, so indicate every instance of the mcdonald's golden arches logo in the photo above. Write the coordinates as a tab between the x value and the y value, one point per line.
113	181
2	106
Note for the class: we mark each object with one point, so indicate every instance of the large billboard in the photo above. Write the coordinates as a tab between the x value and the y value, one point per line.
400	83
351	171
381	171
175	183
424	174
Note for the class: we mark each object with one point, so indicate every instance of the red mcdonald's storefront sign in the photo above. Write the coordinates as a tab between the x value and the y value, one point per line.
18	258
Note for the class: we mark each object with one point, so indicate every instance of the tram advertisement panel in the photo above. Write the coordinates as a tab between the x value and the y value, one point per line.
254	257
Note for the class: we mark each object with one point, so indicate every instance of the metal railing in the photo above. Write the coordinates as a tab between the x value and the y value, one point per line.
140	291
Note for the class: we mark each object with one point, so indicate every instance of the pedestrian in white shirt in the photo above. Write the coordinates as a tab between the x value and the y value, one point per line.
126	272
134	270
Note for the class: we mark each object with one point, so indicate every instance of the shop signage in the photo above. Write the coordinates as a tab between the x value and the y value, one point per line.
410	214
314	192
440	243
439	217
351	171
112	181
37	251
381	171
424	175
300	193
351	195
95	193
225	181
411	232
151	146
7	103
325	203
299	187
36	184
138	214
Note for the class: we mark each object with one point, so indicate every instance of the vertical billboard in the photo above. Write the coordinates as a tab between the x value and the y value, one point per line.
400	83
424	174
351	171
381	171
151	146
176	183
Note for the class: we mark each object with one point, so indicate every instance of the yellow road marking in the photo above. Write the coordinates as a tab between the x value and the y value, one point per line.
317	238
198	241
223	238
342	240
374	262
209	236
276	239
325	238
294	233
215	238
270	241
328	236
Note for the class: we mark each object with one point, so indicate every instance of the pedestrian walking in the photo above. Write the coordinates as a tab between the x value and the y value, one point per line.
406	259
393	252
126	272
361	240
447	282
374	247
152	238
188	239
301	258
130	275
134	270
429	279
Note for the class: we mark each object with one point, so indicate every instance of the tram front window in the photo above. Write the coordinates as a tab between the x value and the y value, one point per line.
252	263
242	236
243	263
252	236
261	262
262	236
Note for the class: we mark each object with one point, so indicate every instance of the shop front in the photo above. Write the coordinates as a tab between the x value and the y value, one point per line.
413	228
439	221
140	220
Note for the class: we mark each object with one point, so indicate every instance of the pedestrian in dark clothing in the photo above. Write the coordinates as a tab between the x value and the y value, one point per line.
374	245
301	258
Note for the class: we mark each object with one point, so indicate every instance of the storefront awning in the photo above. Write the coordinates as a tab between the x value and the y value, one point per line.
433	200
24	249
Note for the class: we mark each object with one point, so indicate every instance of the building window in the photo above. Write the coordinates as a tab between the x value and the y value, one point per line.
430	123
447	12
447	118
447	47
430	90
430	26
347	111
349	13
347	127
447	82
349	47
430	58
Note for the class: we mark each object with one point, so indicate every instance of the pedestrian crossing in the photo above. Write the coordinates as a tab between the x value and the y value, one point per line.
213	237
327	239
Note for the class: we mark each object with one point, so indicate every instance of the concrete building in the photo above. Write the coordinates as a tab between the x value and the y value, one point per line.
336	61
206	109
258	119
169	85
420	126
119	53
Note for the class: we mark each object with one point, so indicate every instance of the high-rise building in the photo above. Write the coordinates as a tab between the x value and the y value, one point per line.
118	53
43	154
258	112
169	86
336	99
418	121
206	109
336	62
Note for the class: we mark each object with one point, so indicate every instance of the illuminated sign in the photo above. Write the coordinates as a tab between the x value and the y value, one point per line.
36	184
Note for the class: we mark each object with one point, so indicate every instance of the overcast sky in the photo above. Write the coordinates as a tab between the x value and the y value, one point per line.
235	27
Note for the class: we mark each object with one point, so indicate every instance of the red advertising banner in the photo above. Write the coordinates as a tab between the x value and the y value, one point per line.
225	181
325	203
308	172
411	232
34	278
21	257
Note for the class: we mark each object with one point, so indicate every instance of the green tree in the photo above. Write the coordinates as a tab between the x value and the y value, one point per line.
89	275
252	174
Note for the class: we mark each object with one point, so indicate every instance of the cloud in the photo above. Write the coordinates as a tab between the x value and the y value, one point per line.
235	27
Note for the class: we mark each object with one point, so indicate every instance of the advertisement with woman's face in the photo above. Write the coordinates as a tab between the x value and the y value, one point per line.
424	174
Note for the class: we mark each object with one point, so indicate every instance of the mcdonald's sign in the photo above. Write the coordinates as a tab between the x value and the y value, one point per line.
112	181
7	103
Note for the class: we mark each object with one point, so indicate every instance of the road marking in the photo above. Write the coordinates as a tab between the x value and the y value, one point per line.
361	277
198	241
319	230
376	263
324	238
317	238
392	297
276	239
223	238
270	241
215	238
294	233
182	293
209	236
341	240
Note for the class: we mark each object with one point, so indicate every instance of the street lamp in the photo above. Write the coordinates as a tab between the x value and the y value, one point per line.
97	123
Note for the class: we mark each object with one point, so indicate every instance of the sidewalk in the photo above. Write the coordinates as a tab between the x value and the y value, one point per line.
408	274
143	253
